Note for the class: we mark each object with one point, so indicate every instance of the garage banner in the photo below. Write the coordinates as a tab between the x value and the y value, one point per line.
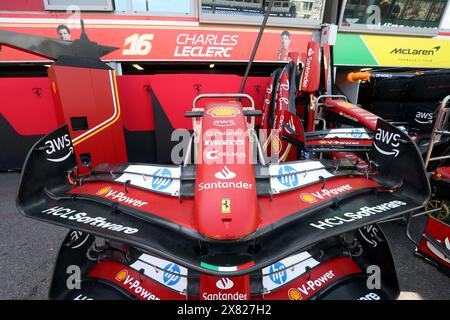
146	39
392	51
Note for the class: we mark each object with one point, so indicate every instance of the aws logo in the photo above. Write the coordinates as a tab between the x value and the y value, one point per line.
416	52
58	146
424	117
389	139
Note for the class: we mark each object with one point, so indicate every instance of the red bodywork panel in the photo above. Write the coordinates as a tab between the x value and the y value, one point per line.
326	62
90	93
311	72
305	286
225	175
267	102
442	173
266	211
163	206
353	112
140	286
441	233
233	288
286	151
285	204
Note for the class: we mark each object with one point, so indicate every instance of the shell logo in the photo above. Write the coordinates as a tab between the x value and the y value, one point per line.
223	112
122	275
276	145
308	197
346	104
104	191
294	294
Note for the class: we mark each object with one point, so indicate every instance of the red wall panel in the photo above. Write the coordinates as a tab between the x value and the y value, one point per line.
22	5
27	104
175	93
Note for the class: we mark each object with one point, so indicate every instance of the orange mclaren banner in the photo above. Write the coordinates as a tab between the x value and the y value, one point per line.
158	39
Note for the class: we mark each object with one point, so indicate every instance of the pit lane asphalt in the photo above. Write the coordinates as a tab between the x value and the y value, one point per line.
28	250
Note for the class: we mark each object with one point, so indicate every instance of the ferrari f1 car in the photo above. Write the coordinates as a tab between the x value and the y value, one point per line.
225	227
227	223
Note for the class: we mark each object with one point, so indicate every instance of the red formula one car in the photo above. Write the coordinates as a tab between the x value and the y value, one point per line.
224	227
225	223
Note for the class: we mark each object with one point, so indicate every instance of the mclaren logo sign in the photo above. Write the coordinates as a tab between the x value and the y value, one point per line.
416	52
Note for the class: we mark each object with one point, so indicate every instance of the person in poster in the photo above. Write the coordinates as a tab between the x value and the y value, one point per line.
283	53
63	32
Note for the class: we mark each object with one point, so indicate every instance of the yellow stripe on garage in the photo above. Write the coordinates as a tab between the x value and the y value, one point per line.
108	122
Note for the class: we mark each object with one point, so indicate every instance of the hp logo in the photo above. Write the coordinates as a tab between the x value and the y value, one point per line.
286	179
171	274
162	179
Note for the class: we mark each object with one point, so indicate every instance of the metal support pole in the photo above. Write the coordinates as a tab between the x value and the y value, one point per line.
255	48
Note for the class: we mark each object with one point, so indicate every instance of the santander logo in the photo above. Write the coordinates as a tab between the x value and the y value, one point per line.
225	174
224	284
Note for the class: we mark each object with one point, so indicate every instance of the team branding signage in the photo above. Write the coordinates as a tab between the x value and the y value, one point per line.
59	148
286	270
82	217
324	193
387	142
224	185
392	51
225	174
311	286
361	213
224	142
165	272
108	192
216	154
224	123
356	133
134	285
172	39
295	175
223	112
217	288
162	179
424	117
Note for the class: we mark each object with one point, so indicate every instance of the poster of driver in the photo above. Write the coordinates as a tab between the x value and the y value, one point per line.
285	52
63	32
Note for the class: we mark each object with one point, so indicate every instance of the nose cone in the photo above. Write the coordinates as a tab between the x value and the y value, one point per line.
225	196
